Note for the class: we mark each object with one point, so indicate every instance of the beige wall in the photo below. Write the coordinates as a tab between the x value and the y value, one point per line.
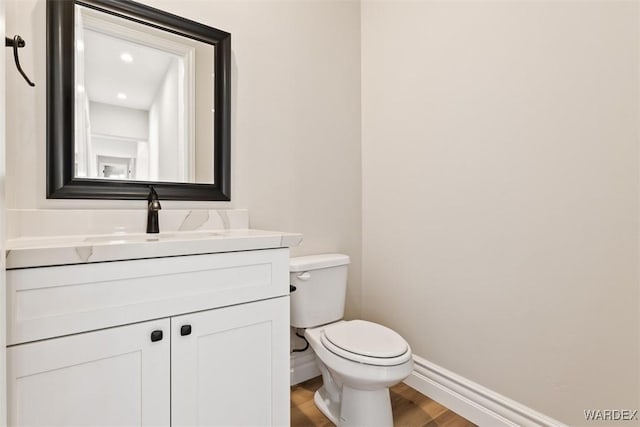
295	113
500	193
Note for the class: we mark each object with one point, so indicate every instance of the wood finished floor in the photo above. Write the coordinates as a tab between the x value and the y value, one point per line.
410	408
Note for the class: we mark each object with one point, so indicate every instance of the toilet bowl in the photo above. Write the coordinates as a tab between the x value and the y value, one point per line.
355	390
359	360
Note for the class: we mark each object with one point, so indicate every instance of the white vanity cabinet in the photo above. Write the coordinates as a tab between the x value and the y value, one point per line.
228	370
115	377
84	345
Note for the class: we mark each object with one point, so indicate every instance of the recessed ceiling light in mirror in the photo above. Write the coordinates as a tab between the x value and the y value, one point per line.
126	57
122	96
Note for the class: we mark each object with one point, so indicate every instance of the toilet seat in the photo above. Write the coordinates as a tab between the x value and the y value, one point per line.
366	342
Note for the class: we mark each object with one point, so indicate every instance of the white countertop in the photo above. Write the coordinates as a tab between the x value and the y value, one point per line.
27	252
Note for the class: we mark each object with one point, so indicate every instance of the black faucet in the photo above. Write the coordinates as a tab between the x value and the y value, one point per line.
153	225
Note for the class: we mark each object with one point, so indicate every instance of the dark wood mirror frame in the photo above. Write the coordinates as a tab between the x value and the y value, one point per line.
61	183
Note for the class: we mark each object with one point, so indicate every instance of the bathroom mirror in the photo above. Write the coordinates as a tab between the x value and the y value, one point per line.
135	97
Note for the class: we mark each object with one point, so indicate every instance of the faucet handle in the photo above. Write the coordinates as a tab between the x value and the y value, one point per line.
154	202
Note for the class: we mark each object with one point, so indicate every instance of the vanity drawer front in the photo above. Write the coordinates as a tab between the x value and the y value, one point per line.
52	301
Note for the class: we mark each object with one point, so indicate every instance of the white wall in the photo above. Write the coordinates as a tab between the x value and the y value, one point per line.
119	121
3	224
295	119
500	193
164	111
26	120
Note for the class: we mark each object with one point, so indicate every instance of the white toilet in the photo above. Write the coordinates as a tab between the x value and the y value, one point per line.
359	360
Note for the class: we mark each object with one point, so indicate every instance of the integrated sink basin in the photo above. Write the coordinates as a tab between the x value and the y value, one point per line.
145	237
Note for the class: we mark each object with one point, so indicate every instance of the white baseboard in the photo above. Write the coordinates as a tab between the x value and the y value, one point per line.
303	367
472	401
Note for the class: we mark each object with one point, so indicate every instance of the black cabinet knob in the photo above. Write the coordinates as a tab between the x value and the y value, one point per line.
156	336
185	330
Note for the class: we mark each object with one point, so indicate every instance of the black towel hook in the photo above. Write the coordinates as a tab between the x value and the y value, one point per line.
15	43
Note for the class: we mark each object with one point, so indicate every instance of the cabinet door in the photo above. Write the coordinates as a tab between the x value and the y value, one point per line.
232	369
112	377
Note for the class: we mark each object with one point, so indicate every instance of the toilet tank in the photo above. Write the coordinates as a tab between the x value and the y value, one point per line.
321	287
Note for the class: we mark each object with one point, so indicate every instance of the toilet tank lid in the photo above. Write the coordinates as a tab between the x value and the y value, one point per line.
314	262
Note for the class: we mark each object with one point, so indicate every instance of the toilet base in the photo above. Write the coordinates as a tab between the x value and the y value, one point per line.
359	408
371	408
323	402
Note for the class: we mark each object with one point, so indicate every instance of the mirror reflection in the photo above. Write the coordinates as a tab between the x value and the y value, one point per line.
138	115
